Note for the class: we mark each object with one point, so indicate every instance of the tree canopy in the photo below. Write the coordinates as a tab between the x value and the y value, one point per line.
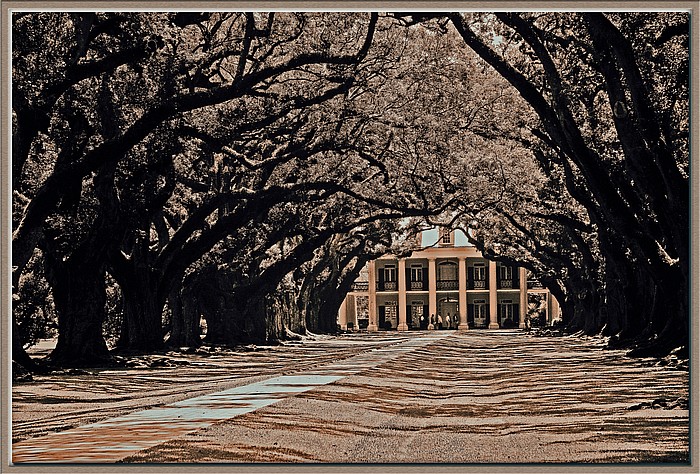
213	164
611	141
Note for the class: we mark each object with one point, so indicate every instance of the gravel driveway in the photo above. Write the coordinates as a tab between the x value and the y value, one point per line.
420	397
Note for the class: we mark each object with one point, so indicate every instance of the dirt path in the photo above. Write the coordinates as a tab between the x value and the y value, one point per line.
54	402
476	397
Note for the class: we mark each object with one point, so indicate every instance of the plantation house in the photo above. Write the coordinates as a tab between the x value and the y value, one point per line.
446	283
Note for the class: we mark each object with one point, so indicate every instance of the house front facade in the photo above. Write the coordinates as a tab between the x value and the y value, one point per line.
444	285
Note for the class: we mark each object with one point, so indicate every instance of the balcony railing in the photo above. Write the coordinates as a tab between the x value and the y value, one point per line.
443	285
447	285
360	286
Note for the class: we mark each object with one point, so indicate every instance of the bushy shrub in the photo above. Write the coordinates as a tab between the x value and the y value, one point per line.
33	304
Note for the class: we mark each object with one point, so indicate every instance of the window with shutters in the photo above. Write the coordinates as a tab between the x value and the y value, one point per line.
479	276
416	277
390	277
505	276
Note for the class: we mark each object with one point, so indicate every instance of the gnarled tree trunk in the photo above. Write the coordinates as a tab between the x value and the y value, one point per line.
142	328
78	286
185	319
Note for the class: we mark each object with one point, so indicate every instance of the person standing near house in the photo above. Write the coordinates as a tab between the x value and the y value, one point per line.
448	321
439	321
432	322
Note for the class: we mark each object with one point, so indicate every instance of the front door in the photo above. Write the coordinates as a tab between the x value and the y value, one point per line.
448	310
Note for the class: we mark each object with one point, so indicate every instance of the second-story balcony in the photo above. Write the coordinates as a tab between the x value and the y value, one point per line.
444	285
447	285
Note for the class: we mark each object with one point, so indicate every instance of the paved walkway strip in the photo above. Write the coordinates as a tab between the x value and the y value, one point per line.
113	439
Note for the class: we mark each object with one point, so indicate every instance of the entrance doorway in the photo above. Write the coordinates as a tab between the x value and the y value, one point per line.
448	308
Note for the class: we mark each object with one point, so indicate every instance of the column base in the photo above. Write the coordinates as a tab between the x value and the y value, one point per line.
522	326
372	328
430	327
494	326
402	327
463	327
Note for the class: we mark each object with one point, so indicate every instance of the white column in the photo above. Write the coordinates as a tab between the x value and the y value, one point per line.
493	297
523	297
432	291
402	326
463	326
353	316
343	314
372	298
555	307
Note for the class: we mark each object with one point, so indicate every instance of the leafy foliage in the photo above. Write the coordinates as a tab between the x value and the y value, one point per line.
257	153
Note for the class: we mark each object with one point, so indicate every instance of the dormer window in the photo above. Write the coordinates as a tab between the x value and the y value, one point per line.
446	236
